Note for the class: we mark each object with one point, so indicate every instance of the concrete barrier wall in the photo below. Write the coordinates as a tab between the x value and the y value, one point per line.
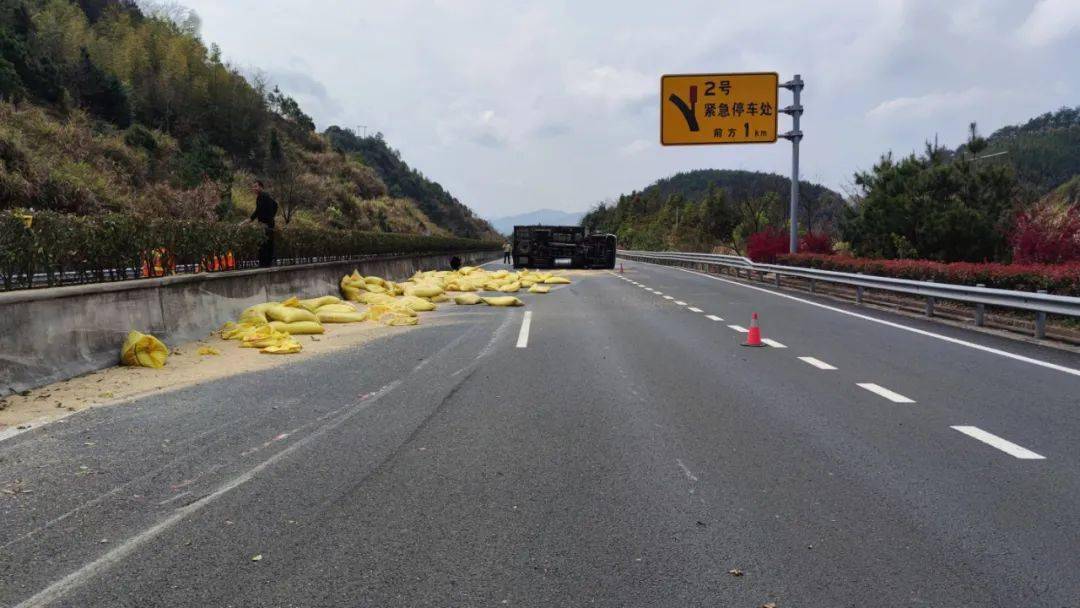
52	334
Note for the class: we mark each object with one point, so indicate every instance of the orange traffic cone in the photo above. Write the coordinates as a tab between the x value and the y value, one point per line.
754	337
230	261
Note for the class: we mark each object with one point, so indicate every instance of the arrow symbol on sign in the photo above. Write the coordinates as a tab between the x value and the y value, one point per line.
688	112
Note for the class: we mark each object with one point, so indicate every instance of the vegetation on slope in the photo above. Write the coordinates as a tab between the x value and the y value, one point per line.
109	106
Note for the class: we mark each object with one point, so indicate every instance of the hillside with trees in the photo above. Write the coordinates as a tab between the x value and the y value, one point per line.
112	106
405	182
1044	151
709	209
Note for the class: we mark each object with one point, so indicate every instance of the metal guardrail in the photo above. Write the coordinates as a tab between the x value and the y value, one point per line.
1041	303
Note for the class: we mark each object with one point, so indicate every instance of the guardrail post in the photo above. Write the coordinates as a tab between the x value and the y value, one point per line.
1040	322
980	310
929	304
776	277
813	286
858	293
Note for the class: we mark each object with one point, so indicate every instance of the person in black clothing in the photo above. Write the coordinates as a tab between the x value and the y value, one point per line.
265	210
455	263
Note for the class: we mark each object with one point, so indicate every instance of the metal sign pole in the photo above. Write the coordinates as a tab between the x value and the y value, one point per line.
795	85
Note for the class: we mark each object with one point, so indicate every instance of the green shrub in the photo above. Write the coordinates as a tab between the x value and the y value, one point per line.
66	248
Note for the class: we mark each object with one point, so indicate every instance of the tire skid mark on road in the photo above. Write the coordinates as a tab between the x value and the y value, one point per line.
76	579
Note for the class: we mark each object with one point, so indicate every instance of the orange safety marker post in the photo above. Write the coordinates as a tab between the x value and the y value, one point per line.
753	338
620	268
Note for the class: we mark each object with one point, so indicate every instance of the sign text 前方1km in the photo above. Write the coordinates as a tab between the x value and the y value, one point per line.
701	109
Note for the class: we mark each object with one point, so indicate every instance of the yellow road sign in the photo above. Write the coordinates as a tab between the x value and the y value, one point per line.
718	108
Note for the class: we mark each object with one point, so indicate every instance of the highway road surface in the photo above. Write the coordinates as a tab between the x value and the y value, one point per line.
611	444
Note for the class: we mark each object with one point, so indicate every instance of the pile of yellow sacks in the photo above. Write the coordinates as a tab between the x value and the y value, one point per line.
271	327
424	290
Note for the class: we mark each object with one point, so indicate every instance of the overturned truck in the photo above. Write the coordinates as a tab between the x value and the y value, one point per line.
562	247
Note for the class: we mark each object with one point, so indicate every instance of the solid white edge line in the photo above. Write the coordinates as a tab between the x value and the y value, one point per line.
914	330
818	363
884	392
523	335
714	318
1004	445
694	309
773	343
739	328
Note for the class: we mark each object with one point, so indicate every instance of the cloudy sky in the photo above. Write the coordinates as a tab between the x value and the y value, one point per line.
515	106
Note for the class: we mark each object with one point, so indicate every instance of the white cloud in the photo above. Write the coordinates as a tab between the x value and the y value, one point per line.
636	147
1051	21
926	106
612	86
525	104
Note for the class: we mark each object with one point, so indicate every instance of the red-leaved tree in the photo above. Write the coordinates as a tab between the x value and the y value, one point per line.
815	243
764	246
1046	235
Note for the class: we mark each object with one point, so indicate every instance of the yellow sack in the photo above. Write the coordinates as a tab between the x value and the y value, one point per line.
398	320
492	286
293	302
143	350
539	289
373	280
439	299
467	299
498	274
557	281
263	336
314	304
424	291
503	301
286	347
353	294
238	331
298	328
290	315
418	304
341	317
466	270
342	307
510	287
257	313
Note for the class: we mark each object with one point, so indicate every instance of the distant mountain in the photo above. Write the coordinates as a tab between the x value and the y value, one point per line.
552	217
711	209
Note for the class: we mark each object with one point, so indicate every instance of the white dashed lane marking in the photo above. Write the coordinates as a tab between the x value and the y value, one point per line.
665	297
713	318
739	328
773	343
1004	445
680	302
523	335
818	363
692	309
886	393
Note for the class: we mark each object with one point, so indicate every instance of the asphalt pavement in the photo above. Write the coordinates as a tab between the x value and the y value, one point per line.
618	448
